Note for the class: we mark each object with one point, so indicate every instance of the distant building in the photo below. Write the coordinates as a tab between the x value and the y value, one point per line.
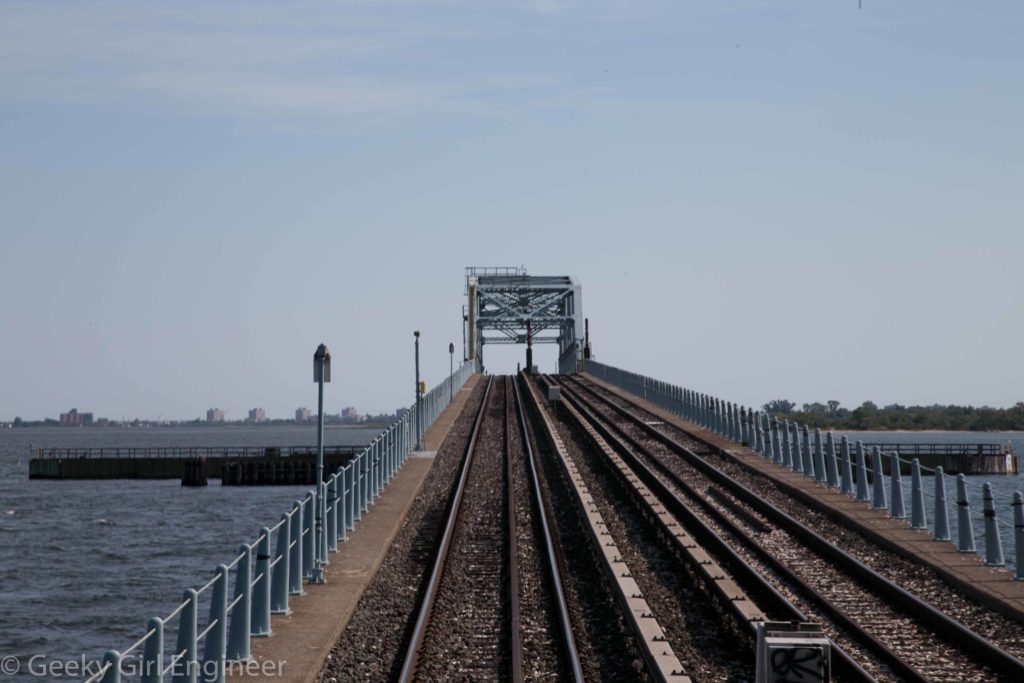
214	415
302	415
257	415
401	412
349	413
73	417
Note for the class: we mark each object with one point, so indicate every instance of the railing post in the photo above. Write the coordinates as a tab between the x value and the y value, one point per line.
349	499
332	513
776	446
744	427
847	478
238	632
862	474
260	623
279	572
295	553
215	647
897	509
964	525
153	653
819	457
831	466
113	672
787	454
794	447
758	434
918	519
364	475
339	507
878	480
993	542
941	513
1018	533
186	669
805	450
309	531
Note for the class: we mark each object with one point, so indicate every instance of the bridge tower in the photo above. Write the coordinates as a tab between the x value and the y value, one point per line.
505	305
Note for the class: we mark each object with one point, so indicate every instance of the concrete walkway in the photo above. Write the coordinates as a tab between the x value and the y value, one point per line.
991	586
301	641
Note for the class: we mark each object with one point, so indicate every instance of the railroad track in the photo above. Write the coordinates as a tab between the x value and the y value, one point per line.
489	564
902	636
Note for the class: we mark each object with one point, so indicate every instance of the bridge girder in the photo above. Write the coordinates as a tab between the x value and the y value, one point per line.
519	307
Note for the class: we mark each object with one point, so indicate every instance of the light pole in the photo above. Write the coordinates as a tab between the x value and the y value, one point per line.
321	374
419	396
451	371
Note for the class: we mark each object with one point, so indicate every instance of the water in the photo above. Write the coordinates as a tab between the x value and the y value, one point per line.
85	564
1003	486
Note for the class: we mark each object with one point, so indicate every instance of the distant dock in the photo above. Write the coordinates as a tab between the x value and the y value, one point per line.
954	458
232	465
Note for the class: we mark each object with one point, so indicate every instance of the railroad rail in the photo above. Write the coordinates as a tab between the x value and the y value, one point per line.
473	598
740	590
902	635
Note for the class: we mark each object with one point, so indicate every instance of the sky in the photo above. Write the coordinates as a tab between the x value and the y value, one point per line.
762	200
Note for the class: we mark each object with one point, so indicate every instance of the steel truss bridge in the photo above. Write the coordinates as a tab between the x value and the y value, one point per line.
505	305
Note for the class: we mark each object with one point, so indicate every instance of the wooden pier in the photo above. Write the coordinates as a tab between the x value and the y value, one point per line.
953	458
293	465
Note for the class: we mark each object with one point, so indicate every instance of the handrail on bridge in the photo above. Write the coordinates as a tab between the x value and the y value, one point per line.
796	447
275	565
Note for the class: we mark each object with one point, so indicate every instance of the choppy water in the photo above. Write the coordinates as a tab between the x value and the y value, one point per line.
1003	487
84	564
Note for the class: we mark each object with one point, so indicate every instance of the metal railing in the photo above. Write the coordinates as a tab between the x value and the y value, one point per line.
851	470
274	567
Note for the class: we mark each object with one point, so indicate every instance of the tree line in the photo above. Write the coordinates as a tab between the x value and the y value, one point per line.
868	416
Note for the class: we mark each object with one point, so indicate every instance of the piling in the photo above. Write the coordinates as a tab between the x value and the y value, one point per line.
194	472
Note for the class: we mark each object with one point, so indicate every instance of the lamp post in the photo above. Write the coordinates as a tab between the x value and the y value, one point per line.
419	396
321	374
451	371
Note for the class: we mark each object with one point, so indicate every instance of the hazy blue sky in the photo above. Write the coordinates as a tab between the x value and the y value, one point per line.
761	199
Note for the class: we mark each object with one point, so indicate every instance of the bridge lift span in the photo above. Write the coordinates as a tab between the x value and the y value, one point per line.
507	306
